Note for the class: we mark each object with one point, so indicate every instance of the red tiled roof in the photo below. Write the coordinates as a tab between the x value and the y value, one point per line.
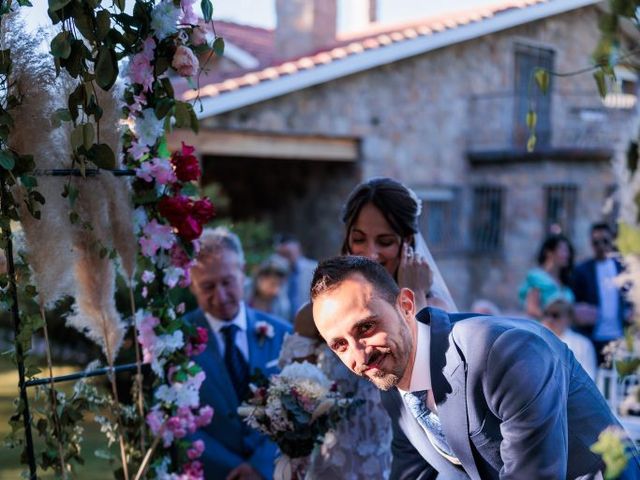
260	43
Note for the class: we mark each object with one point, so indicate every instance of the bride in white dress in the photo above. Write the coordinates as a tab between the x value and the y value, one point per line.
381	223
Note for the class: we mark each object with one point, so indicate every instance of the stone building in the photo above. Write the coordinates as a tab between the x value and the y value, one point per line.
291	120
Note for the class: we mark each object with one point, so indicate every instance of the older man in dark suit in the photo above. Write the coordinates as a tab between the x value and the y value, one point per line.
241	340
469	396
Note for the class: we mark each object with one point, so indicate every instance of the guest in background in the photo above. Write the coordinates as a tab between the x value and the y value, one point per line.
551	278
268	286
238	344
558	317
486	307
601	309
300	272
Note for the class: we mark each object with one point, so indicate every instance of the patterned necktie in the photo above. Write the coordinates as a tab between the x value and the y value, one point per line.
417	404
235	362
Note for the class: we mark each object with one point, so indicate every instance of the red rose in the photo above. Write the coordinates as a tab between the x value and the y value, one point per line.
203	335
203	210
175	209
189	228
186	164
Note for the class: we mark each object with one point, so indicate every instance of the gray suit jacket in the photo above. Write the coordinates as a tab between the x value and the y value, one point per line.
513	401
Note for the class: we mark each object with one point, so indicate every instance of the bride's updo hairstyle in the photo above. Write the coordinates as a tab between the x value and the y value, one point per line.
399	206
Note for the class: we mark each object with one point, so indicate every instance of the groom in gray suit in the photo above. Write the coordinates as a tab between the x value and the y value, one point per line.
470	396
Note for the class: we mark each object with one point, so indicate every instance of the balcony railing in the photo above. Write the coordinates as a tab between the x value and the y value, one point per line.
577	125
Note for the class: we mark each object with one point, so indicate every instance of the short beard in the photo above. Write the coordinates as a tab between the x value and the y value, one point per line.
384	381
387	380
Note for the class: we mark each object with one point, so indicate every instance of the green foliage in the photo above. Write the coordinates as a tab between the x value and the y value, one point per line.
613	451
541	77
628	239
601	82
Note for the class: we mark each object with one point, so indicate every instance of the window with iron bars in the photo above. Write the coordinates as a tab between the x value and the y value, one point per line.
487	218
440	220
560	208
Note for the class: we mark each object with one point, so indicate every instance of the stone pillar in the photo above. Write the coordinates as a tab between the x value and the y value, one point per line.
304	26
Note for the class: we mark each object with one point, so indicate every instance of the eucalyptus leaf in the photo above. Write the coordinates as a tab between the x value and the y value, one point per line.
163	106
7	161
601	82
5	118
29	181
218	46
88	134
5	62
106	67
207	10
102	155
76	137
103	24
61	45
120	4
74	63
532	119
84	20
541	77
531	143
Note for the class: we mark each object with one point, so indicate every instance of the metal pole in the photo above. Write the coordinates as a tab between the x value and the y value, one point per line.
129	367
15	313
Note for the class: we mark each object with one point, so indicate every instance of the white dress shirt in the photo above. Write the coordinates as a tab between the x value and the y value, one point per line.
583	350
608	326
421	374
240	320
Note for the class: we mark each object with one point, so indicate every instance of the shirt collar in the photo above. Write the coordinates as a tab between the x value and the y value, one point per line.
421	374
240	320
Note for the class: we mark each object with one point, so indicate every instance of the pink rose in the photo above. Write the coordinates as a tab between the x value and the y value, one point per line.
198	36
185	62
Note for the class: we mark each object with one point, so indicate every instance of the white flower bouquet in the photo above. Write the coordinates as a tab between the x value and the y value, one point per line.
296	409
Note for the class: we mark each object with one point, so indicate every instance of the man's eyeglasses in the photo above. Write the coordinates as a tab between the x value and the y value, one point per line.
601	242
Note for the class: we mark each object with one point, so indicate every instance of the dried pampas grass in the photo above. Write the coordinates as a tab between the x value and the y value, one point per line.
118	189
65	258
48	240
94	312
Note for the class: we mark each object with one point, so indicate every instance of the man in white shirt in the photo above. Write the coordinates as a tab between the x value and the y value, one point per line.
241	341
558	317
601	310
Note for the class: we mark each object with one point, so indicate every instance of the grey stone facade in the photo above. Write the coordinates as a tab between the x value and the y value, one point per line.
414	121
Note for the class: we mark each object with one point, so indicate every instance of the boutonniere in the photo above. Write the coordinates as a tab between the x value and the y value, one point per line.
264	330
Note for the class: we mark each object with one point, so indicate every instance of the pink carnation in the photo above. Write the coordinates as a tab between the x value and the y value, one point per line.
204	416
196	450
185	62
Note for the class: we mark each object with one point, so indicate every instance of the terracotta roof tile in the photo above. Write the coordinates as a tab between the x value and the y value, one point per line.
260	43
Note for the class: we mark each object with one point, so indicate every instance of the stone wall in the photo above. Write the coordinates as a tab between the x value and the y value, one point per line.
413	121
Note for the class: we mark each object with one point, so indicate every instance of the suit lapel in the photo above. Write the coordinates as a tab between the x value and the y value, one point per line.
448	380
212	362
258	348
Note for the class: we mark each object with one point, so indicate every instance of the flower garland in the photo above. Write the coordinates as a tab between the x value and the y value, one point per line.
169	220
